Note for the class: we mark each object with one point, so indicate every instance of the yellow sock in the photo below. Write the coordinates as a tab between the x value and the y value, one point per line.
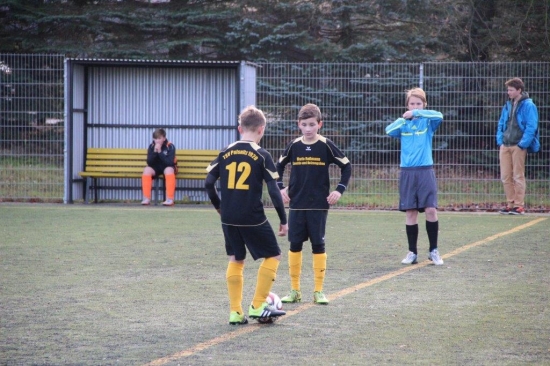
146	185
266	276
170	185
319	270
295	269
235	280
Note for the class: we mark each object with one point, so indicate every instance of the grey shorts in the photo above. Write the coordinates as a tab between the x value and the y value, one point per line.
417	189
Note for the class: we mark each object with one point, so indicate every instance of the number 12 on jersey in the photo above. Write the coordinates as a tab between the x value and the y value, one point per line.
244	169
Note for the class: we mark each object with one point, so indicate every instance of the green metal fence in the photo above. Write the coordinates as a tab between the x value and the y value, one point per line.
31	127
357	101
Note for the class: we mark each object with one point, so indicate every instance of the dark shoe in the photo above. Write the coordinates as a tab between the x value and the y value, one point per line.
505	211
264	313
517	211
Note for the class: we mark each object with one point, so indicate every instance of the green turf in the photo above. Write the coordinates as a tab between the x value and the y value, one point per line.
128	285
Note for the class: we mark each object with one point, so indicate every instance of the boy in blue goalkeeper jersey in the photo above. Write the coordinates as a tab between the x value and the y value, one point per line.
417	182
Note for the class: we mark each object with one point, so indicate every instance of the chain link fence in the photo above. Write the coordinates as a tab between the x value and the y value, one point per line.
31	127
357	101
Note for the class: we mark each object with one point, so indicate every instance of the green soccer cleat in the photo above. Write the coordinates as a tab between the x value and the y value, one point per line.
293	296
320	298
236	318
265	311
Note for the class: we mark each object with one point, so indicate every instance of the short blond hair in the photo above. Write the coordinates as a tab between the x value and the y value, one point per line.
416	92
252	118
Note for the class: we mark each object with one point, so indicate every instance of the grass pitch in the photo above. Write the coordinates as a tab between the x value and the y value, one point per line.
129	285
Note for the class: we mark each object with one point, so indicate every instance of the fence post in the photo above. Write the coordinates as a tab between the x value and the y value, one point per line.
421	77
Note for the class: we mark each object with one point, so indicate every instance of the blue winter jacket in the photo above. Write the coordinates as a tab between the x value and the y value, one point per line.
416	137
527	117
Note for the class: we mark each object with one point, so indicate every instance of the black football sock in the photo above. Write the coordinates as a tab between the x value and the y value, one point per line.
432	228
412	237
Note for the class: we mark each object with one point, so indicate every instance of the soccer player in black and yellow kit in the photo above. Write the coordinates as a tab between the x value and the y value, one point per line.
242	167
310	198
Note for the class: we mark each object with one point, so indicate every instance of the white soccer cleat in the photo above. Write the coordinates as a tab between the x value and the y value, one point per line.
410	258
435	257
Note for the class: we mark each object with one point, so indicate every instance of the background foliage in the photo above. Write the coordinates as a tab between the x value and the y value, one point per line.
281	31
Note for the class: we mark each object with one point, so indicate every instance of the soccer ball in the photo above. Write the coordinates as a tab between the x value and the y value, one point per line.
274	300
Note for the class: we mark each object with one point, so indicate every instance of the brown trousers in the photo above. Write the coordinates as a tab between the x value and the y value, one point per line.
512	174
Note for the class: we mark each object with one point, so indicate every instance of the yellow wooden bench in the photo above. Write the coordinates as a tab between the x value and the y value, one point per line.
129	163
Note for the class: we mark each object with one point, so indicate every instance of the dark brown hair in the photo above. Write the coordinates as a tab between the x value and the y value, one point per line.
515	83
159	132
308	111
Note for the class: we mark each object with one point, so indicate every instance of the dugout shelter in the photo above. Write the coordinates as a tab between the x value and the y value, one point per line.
119	103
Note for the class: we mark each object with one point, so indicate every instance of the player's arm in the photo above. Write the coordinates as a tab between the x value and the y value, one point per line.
210	185
277	200
151	155
394	129
335	195
427	113
345	176
281	165
531	117
501	123
434	117
169	158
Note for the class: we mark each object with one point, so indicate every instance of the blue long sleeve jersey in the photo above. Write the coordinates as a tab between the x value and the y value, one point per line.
416	137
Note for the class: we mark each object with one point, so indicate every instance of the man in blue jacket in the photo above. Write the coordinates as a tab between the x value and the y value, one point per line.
516	130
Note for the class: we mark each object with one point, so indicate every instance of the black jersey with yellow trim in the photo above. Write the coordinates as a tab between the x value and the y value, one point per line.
309	184
242	167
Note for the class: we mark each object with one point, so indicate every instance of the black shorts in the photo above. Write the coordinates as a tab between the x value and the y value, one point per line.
260	241
159	169
307	224
417	189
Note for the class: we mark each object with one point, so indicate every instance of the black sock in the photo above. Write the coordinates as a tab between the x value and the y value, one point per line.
432	228
412	237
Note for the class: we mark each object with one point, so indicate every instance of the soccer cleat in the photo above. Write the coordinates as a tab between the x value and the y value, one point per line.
410	258
236	318
320	298
146	201
505	211
264	312
168	202
517	211
435	257
293	296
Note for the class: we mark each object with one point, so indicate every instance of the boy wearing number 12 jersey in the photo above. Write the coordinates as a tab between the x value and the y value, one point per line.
242	167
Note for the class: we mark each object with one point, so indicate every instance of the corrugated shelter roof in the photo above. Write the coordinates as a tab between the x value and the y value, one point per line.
138	62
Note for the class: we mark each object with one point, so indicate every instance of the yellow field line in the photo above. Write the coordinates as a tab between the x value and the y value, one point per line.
253	327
